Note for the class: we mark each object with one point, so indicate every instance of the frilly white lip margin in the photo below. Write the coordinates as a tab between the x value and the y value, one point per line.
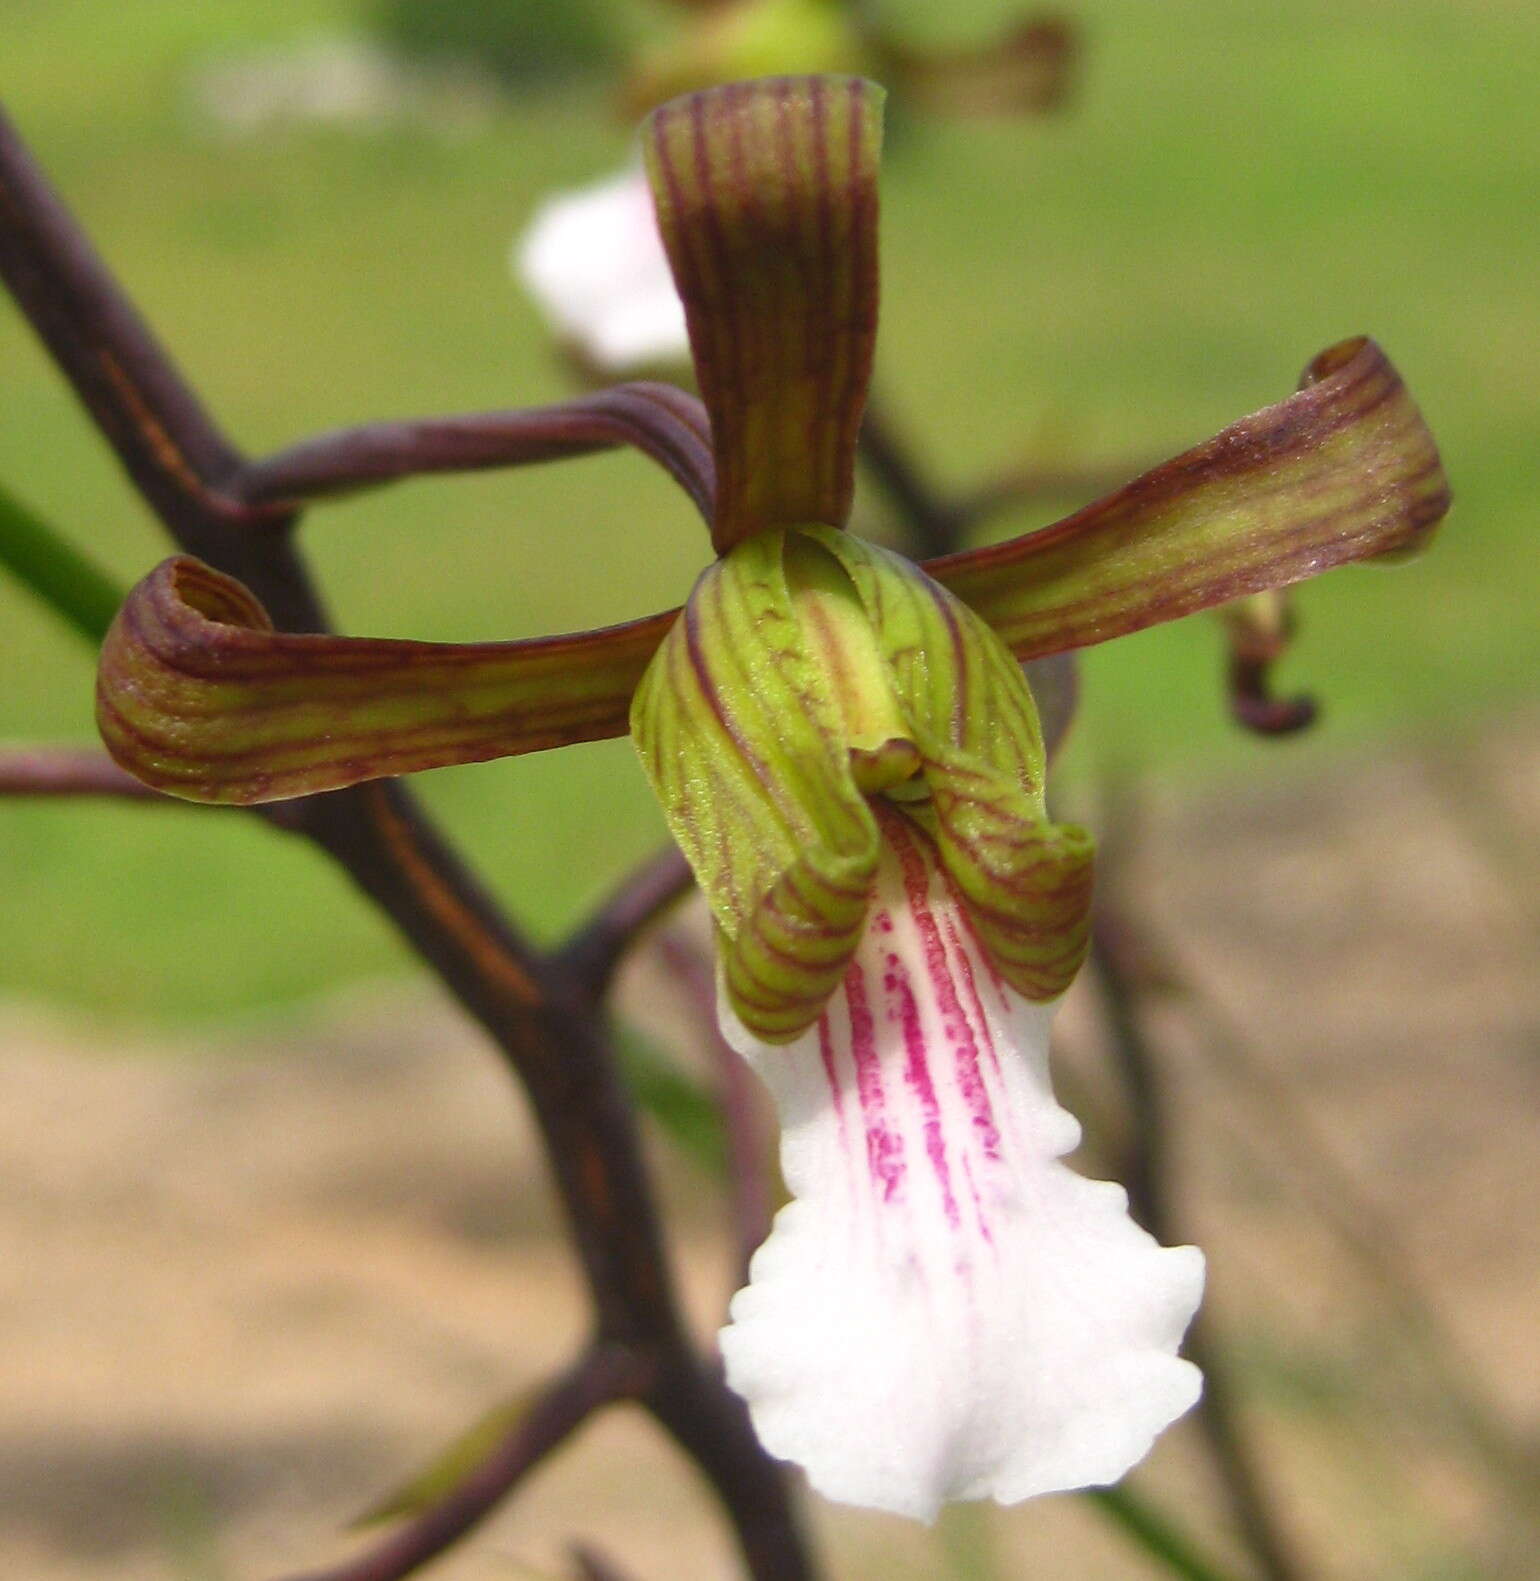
944	1310
594	263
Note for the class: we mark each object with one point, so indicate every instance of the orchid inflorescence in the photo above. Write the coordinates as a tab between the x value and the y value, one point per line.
846	749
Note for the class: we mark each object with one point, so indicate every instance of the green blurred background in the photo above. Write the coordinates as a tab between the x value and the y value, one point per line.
1233	189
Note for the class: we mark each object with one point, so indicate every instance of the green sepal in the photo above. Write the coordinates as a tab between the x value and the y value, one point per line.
199	697
743	740
1343	470
766	198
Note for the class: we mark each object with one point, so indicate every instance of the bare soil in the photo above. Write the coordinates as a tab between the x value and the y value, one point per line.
251	1280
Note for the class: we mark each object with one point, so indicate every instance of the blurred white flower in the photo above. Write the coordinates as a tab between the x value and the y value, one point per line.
593	261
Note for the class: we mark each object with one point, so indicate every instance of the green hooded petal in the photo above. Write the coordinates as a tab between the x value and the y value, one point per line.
811	673
1026	882
744	742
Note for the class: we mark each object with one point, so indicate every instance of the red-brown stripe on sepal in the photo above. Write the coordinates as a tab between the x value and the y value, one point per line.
766	194
198	696
1343	470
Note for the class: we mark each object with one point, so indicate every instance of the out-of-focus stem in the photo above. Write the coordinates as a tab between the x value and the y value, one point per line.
597	1378
595	950
933	524
594	1566
71	771
51	567
1148	1178
1156	1534
937	523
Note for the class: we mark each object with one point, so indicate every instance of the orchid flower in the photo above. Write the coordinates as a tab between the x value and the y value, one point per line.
846	748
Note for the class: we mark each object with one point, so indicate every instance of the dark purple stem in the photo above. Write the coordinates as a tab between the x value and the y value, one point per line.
594	952
71	771
595	1380
662	422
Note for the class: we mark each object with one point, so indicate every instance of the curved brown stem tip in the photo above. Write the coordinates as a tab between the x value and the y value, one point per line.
1261	630
1253	706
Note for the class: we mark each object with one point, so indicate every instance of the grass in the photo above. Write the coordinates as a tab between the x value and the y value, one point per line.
1237	187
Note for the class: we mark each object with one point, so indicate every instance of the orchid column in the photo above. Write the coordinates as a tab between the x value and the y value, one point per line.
848	754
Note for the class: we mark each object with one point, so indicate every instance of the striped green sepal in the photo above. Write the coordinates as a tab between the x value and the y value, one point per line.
1343	470
766	195
199	697
743	739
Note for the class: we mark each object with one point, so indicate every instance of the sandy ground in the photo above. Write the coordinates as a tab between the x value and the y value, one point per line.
249	1282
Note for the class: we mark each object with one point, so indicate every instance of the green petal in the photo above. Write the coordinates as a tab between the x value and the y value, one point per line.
198	696
766	194
811	671
1343	470
742	739
1026	882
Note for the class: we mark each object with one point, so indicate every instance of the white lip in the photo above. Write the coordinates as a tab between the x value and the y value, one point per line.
945	1310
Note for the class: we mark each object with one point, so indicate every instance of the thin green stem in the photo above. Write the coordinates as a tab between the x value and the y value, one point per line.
1150	1529
57	572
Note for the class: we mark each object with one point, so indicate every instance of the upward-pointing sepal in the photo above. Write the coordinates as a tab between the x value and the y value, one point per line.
766	195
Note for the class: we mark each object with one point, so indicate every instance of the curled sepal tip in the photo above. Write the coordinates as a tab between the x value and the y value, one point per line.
766	194
199	697
1343	470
